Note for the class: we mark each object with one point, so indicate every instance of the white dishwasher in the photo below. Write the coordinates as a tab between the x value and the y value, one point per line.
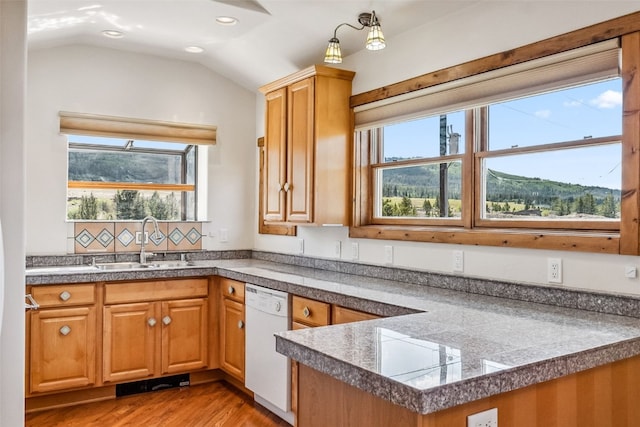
267	372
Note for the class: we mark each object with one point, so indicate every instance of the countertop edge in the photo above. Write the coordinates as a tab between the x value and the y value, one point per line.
446	396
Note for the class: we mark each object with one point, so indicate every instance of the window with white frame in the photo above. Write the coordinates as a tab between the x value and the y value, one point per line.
118	179
125	169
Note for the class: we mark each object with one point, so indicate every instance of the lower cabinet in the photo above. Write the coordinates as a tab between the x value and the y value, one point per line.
153	338
61	338
232	333
149	339
62	351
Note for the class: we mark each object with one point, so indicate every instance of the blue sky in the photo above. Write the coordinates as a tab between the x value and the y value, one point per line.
587	111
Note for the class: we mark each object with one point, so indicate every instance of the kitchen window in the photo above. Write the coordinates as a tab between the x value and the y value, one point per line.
117	179
126	169
529	155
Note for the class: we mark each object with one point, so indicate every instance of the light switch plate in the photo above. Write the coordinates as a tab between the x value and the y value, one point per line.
300	246
355	251
337	249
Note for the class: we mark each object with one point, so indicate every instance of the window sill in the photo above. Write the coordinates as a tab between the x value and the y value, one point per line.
565	240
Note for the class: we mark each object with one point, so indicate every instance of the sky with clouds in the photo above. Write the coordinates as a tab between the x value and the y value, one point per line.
588	111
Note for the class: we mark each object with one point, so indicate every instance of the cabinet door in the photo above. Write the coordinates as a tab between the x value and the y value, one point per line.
300	151
130	341
63	346
275	155
184	335
232	338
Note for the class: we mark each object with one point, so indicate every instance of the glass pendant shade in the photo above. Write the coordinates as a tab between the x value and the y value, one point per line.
375	38
333	55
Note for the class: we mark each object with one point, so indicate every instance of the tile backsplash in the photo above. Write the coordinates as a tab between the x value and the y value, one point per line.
124	236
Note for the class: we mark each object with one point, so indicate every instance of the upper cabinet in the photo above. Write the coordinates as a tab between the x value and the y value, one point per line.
308	140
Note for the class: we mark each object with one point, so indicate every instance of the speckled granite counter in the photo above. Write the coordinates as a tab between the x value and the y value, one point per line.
456	347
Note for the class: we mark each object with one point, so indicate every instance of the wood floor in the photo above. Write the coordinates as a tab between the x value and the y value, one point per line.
215	404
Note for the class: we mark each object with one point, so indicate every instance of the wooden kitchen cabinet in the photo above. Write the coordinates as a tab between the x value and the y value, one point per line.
62	338
308	313
341	315
309	129
154	328
232	332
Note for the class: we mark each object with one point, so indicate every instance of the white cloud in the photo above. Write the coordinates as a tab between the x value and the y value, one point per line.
608	99
543	114
573	103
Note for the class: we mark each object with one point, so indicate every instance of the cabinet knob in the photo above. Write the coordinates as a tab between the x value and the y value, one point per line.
306	312
231	290
65	295
65	330
152	322
280	187
166	320
240	324
287	187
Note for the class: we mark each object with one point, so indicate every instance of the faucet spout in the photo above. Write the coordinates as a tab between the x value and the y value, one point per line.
156	232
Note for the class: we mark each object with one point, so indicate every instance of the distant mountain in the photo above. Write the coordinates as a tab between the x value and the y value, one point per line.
424	182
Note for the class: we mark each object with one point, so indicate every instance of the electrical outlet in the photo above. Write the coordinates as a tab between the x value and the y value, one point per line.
487	418
554	270
300	246
458	261
355	251
388	254
224	235
337	249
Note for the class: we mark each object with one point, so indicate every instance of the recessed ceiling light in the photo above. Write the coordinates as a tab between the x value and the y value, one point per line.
114	34
226	20
194	49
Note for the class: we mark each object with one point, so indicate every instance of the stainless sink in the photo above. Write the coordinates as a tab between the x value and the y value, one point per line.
122	266
139	266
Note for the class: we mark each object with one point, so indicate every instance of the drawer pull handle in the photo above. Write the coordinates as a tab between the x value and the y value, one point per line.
166	320
151	322
32	304
240	324
65	330
65	295
306	312
231	290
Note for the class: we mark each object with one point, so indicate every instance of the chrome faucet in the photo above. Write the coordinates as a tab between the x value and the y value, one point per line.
143	254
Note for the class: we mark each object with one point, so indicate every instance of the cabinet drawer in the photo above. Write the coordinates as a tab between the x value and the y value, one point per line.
232	289
117	293
310	312
348	315
63	295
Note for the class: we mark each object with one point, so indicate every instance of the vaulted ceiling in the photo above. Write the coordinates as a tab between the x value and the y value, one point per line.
270	39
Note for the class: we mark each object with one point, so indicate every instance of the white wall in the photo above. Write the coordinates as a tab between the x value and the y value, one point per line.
12	184
471	33
104	81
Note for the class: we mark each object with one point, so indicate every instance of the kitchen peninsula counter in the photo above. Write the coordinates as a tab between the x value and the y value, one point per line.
438	348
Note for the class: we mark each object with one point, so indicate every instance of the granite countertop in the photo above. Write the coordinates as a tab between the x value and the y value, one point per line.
440	349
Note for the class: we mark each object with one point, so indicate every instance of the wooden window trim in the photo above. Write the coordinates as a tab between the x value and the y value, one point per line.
625	241
100	185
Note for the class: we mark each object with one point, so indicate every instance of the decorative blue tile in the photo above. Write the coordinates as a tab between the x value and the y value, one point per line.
85	238
126	237
176	236
105	238
193	236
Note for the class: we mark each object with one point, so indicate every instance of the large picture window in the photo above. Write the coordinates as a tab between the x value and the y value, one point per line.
528	155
